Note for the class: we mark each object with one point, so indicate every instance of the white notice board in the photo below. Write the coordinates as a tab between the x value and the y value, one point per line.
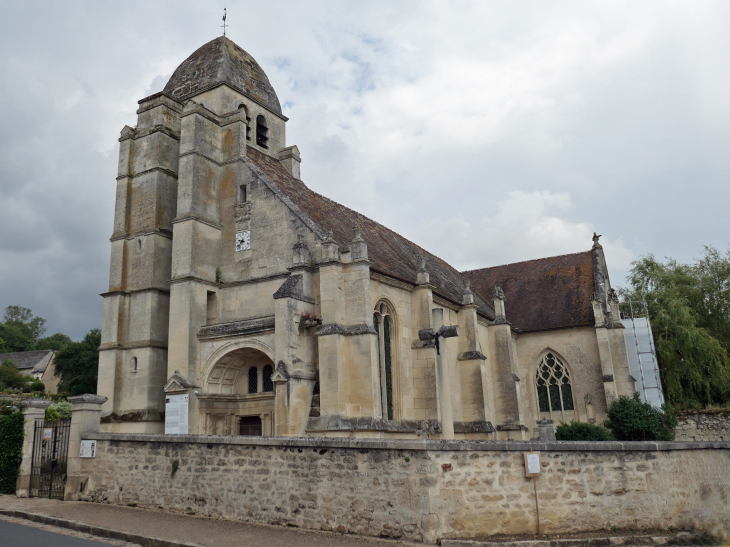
532	464
88	449
176	414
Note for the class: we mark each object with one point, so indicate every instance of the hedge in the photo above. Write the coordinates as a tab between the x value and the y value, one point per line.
11	447
582	431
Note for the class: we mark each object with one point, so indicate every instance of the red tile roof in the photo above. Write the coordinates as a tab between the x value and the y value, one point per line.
389	252
543	294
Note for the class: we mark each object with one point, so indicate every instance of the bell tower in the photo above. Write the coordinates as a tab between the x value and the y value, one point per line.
133	352
182	162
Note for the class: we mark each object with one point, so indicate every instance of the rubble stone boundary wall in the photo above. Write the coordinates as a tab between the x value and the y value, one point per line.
416	490
704	425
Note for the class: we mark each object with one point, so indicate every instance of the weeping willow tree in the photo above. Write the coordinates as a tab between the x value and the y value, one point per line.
689	305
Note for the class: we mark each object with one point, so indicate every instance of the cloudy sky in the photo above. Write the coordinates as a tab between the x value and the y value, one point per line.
487	132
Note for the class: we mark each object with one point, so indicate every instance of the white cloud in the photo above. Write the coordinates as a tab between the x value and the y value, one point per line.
526	225
487	132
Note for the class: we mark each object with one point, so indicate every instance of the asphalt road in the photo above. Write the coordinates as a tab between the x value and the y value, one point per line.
19	535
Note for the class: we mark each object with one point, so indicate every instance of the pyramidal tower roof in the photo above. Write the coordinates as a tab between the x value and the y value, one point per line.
221	61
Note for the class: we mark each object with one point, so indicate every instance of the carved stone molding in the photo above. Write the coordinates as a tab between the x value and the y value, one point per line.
472	356
236	328
347	330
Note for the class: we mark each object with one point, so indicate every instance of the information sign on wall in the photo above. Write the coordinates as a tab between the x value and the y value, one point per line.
87	449
532	464
176	414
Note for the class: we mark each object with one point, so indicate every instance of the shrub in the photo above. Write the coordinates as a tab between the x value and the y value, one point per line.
632	420
58	411
11	446
10	377
582	431
36	385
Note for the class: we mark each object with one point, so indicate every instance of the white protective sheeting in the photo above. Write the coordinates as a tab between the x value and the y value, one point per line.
642	360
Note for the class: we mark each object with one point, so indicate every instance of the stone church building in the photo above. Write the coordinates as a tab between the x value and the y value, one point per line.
277	311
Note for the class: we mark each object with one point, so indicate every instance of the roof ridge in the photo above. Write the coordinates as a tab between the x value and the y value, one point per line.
386	241
364	216
525	261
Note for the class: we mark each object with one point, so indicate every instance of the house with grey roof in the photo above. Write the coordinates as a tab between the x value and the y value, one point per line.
38	364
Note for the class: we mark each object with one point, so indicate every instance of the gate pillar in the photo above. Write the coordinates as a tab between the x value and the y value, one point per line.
33	409
85	420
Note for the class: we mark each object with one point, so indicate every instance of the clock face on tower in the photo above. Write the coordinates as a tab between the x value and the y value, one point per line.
243	241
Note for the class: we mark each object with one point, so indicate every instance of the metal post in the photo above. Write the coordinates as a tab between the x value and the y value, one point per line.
537	505
54	459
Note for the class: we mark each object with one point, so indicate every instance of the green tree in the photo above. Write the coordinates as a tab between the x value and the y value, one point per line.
632	420
54	341
689	307
23	318
10	377
77	364
15	338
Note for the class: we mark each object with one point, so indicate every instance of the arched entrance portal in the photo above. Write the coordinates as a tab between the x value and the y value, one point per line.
238	396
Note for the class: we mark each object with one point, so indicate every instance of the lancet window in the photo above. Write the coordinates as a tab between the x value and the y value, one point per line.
262	132
253	380
554	390
384	327
268	373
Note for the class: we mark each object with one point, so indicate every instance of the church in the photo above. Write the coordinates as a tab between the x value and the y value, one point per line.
241	302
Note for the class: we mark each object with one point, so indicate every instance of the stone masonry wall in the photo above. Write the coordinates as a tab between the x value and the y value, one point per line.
704	425
416	490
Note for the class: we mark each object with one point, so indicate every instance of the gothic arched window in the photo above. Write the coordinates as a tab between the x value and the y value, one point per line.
268	373
262	132
384	326
552	380
253	380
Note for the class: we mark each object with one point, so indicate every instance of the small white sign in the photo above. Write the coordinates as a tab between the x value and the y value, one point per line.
176	414
88	449
48	433
532	464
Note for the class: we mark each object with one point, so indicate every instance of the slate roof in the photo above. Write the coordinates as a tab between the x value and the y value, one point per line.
390	253
222	61
35	361
542	294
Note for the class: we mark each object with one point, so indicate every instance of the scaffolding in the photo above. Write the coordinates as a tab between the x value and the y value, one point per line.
640	347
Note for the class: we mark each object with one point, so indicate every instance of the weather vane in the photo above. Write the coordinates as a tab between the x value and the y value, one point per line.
224	22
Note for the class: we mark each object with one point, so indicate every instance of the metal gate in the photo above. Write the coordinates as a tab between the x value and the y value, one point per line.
50	458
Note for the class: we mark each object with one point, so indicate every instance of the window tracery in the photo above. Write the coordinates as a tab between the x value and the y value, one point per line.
554	389
384	327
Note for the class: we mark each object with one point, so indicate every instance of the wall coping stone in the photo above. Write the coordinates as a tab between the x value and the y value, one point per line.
87	398
407	444
35	403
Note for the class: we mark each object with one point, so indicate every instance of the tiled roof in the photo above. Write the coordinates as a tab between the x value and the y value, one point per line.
548	293
25	360
222	61
389	252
